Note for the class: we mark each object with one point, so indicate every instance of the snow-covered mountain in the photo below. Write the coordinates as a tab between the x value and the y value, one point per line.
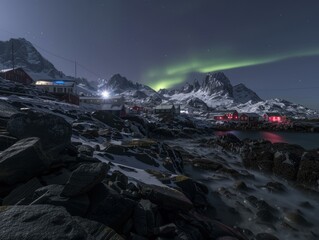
217	92
27	57
133	92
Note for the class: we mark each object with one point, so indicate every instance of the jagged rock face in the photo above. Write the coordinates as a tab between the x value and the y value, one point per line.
197	103
242	94
196	85
187	88
118	82
27	57
217	83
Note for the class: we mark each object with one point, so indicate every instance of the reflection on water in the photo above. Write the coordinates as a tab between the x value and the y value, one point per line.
272	137
306	140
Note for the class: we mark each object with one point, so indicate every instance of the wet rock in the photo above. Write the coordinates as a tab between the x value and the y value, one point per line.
86	150
166	197
145	219
286	160
240	185
120	178
54	132
258	157
59	177
6	141
85	177
28	155
265	216
266	236
276	187
43	222
195	191
296	218
51	195
306	205
308	173
227	238
23	191
109	207
168	230
98	230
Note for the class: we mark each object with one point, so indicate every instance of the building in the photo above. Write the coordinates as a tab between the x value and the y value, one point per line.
97	102
64	90
224	115
275	117
116	109
16	75
249	117
165	109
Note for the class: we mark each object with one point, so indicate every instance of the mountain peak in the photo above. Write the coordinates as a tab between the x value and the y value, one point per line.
27	57
217	83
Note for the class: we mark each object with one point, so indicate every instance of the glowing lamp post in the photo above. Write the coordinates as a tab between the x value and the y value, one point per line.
105	94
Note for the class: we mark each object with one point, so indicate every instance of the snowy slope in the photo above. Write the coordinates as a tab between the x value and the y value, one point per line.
26	56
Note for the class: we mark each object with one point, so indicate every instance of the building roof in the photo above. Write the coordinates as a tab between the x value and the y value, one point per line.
224	111
274	114
250	114
164	107
112	107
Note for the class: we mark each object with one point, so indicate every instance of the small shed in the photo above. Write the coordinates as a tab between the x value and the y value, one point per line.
118	110
165	109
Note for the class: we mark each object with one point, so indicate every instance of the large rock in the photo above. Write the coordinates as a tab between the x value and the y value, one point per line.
22	161
166	197
109	207
54	131
286	160
42	222
259	156
22	192
85	177
51	194
145	218
308	173
6	141
98	230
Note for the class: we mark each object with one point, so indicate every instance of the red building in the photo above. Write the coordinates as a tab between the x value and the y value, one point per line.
226	115
249	117
275	117
137	109
16	75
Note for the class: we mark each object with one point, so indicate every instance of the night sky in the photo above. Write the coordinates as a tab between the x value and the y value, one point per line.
271	46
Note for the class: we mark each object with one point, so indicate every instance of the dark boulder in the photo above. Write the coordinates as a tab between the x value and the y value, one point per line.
98	230
22	161
145	218
286	160
22	192
43	222
308	173
51	195
84	178
109	207
54	131
166	197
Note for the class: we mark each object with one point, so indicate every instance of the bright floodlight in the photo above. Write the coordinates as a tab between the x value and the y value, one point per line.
105	94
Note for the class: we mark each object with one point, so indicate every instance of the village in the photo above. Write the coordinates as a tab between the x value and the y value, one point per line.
66	90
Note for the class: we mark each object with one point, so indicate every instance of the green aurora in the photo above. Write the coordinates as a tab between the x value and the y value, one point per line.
174	74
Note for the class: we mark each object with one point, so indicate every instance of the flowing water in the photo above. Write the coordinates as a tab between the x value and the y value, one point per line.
233	207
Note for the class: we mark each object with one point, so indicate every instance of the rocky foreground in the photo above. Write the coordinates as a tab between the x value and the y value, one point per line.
68	174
